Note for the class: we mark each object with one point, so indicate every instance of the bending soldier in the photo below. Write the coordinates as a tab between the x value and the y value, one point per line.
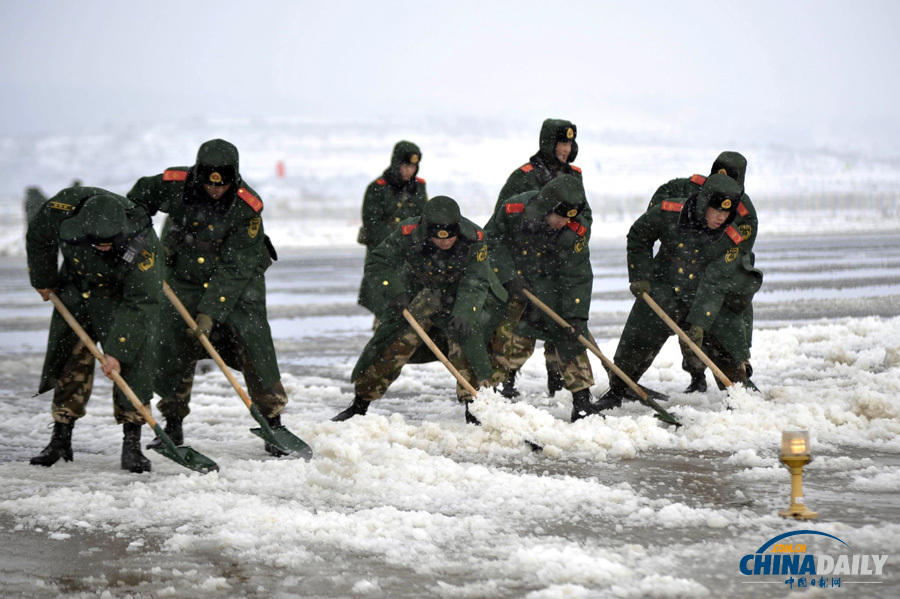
435	265
110	281
217	254
745	222
701	276
557	150
395	196
539	243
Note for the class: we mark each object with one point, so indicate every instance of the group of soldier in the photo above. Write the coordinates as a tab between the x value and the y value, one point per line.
433	279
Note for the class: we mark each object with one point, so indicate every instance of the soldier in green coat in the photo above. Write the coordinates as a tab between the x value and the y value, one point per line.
394	197
557	150
436	265
111	282
701	276
745	222
217	254
539	243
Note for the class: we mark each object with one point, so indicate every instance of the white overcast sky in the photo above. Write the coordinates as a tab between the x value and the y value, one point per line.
795	73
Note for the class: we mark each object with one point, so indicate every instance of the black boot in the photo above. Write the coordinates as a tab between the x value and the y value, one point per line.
357	408
274	422
470	417
612	398
132	458
698	383
554	379
582	407
509	386
173	430
60	446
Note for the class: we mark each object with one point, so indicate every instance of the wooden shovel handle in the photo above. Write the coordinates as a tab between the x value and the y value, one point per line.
587	343
438	353
687	340
207	345
89	343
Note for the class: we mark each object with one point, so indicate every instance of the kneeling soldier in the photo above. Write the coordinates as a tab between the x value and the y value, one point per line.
436	266
111	283
539	243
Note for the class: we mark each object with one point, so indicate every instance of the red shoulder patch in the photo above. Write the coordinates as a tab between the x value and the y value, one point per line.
420	180
174	175
580	230
515	208
742	210
380	181
407	229
698	179
733	233
251	200
527	168
671	206
480	235
577	169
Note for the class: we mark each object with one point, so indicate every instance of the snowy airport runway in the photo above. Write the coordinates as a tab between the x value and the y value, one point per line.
409	501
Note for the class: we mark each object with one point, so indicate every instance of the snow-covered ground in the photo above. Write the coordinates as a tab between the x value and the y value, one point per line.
410	501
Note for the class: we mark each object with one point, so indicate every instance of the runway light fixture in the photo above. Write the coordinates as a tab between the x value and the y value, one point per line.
795	455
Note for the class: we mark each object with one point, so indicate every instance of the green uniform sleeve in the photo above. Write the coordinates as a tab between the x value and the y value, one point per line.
498	236
42	246
139	309
385	268
472	290
155	194
240	260
518	182
373	214
639	246
576	278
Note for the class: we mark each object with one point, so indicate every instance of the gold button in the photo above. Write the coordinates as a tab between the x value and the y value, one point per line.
577	301
496	270
100	285
122	339
396	219
681	245
632	266
708	314
474	308
100	275
399	204
385	283
206	285
201	260
538	254
677	289
86	294
693	262
222	299
518	272
696	251
691	276
681	271
210	227
449	266
524	252
81	273
76	260
196	223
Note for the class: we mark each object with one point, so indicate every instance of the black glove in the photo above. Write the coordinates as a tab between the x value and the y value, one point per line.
515	286
204	326
399	303
639	288
460	327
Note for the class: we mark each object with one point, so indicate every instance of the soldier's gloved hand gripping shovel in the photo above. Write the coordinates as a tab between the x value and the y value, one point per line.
185	456
661	414
279	436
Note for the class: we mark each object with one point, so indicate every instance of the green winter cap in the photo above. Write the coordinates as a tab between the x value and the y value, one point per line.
556	130
405	152
564	196
217	163
732	164
441	217
720	192
100	219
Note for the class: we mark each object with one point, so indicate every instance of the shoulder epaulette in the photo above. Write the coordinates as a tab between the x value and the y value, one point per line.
480	235
174	174
742	210
527	168
380	181
61	206
515	208
251	200
733	233
420	180
698	179
577	169
407	229
580	230
671	206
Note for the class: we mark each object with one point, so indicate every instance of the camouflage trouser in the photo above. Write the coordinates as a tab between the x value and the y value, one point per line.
373	383
270	401
73	390
510	351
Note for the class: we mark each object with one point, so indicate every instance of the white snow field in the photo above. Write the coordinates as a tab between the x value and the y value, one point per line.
409	501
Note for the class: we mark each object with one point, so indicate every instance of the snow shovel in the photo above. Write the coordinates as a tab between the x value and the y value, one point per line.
645	399
683	336
279	436
440	356
187	457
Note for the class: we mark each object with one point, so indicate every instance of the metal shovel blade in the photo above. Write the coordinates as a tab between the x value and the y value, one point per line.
280	437
185	456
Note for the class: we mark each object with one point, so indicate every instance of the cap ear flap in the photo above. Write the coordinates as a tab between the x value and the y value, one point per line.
574	151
